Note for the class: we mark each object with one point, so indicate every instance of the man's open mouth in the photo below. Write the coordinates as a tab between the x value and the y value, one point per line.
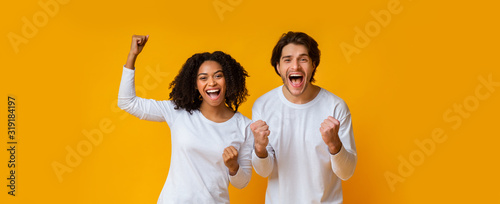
296	80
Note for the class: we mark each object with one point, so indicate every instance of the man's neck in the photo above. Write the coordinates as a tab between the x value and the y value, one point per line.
308	95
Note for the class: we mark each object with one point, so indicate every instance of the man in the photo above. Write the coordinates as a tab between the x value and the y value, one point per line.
303	138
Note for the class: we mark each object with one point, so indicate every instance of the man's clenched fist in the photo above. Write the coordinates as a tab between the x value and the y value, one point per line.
260	133
330	132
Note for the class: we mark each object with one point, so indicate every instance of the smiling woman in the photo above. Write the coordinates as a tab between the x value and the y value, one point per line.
202	68
211	141
211	84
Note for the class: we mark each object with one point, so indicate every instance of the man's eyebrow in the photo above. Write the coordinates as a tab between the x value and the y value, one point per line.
301	55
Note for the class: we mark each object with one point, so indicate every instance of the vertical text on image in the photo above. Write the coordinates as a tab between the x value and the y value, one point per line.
11	144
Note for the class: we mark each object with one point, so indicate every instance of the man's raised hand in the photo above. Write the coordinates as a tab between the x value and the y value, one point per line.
260	133
330	132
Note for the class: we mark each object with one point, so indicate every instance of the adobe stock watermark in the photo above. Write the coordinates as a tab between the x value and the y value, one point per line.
364	35
94	137
221	6
29	29
453	116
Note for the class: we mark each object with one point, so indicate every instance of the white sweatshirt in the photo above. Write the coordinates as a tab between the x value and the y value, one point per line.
197	172
299	165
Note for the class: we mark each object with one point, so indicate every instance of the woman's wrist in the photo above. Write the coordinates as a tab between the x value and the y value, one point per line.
131	61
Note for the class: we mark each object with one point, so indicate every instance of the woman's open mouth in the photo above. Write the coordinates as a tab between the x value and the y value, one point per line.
213	93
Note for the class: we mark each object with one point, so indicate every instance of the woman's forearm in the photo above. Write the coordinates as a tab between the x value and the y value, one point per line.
131	61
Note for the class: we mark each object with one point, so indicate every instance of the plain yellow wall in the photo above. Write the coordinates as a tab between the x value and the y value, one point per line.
425	123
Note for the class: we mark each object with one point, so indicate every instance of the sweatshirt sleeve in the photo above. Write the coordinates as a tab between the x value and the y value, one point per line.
144	109
344	162
262	166
244	173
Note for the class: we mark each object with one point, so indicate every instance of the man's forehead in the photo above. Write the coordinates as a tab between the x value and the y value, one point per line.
294	49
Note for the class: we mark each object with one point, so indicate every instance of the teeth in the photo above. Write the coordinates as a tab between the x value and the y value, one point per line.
295	75
212	91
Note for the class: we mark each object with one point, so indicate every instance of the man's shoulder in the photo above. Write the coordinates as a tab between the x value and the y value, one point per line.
266	102
328	94
332	98
270	95
242	119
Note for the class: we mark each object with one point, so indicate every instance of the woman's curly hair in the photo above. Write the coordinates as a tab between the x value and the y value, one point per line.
184	93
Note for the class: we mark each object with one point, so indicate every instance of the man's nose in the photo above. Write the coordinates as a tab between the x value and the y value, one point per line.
295	64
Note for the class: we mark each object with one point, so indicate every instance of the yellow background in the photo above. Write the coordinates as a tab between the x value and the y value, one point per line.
428	59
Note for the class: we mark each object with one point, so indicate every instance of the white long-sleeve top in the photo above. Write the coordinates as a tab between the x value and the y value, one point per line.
197	172
299	165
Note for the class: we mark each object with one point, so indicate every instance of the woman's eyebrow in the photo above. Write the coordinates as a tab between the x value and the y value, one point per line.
220	70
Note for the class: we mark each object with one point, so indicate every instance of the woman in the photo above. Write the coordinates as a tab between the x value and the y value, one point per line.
211	141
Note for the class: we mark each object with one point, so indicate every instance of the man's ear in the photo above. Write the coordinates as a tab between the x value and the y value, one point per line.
278	68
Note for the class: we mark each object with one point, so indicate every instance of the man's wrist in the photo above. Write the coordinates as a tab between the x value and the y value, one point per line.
335	149
261	153
233	171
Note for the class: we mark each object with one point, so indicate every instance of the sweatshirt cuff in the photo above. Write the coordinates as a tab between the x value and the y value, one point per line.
235	175
125	69
239	180
256	158
340	157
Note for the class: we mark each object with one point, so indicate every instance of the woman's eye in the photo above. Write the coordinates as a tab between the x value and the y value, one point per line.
203	78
